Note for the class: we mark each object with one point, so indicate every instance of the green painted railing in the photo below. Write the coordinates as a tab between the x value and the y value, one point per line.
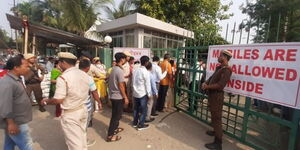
263	127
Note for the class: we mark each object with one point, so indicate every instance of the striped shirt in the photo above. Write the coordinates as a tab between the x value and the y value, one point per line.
93	87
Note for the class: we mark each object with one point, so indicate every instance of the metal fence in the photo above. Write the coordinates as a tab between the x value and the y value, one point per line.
255	123
258	124
160	52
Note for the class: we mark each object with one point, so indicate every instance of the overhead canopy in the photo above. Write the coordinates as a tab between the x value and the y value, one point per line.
51	34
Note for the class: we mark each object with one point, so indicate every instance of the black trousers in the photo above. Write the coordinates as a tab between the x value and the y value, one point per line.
116	115
162	93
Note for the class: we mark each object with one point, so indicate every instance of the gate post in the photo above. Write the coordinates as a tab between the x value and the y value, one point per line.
294	129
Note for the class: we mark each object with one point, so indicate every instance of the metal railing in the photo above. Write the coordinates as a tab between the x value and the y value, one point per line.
262	126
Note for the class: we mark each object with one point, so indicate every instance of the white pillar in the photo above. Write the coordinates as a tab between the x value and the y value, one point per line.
33	44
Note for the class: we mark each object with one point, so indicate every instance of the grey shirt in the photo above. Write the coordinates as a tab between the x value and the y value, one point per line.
116	77
14	102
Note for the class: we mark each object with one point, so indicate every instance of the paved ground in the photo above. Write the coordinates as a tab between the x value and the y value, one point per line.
175	132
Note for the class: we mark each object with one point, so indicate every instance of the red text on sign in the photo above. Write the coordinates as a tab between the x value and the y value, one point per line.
281	55
245	86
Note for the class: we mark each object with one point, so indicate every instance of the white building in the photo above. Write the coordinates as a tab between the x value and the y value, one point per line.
140	31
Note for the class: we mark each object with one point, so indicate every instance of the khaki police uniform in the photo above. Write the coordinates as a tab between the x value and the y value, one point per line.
73	87
32	80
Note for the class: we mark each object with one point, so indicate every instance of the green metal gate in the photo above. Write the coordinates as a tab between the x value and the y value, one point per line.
266	126
160	52
261	127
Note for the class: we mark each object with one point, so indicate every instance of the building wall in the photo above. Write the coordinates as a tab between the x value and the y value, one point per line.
145	38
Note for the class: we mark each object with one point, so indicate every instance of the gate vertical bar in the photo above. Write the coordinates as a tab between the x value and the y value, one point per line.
245	120
249	26
226	32
268	31
294	130
241	33
278	26
233	33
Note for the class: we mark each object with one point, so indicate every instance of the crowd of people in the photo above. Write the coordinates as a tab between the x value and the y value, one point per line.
78	87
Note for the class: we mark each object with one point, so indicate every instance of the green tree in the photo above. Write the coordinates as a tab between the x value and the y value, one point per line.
75	16
5	40
200	16
276	20
33	9
113	12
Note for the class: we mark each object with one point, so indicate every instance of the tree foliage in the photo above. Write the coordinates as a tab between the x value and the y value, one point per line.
75	16
274	17
123	9
200	16
5	40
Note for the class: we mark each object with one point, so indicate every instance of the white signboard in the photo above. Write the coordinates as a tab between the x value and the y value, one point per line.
137	53
268	72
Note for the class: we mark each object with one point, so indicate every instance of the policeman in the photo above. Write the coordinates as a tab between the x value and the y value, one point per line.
72	89
214	86
33	79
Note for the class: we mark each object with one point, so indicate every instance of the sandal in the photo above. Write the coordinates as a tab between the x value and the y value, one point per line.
118	130
113	138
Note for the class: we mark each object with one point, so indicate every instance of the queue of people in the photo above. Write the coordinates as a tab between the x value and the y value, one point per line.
78	88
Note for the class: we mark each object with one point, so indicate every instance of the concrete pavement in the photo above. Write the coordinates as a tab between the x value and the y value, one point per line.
176	132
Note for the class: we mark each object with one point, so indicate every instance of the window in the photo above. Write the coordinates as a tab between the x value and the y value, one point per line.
155	42
129	40
169	44
180	44
174	44
147	42
156	39
147	31
116	33
117	42
162	43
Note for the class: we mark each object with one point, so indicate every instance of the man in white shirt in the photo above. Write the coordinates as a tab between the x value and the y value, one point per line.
50	64
141	93
157	75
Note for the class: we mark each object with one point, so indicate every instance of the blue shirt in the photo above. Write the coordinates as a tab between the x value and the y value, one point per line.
153	85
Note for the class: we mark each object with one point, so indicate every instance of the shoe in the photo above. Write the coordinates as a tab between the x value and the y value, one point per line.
216	145
210	133
154	114
140	128
42	109
90	142
151	119
134	125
